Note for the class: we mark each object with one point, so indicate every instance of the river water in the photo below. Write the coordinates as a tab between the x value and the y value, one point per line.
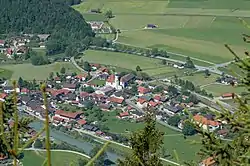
86	146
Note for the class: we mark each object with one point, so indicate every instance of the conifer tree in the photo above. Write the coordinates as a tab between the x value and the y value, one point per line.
146	144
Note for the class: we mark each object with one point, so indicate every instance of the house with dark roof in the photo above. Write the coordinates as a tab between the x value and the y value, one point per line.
172	110
70	87
124	81
106	90
25	99
105	107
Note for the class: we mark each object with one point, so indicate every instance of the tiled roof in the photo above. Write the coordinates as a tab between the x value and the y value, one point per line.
81	122
124	114
141	100
116	100
205	121
70	86
143	90
153	104
72	115
24	90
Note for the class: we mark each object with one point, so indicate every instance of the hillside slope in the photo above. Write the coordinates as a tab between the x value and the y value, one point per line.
65	25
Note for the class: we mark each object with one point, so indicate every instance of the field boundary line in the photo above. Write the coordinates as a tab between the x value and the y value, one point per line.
212	21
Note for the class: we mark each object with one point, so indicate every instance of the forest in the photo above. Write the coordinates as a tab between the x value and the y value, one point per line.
65	25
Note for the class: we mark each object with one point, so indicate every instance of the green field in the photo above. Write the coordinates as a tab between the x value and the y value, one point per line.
218	90
200	79
98	82
4	73
149	65
233	70
32	158
194	28
172	140
30	72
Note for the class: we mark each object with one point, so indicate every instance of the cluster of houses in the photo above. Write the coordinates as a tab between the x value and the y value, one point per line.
18	44
227	80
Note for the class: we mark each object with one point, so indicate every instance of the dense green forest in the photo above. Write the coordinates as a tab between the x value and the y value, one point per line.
66	26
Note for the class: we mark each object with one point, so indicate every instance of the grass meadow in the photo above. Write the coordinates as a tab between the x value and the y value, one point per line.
30	72
198	29
33	158
151	66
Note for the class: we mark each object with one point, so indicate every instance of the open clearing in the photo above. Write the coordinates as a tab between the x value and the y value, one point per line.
172	140
30	72
194	28
31	158
151	66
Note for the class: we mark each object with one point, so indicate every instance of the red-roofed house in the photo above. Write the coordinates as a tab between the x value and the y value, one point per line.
116	100
111	80
143	90
205	123
24	91
227	95
81	122
153	104
68	115
157	98
3	96
81	77
142	103
123	115
9	52
104	69
95	65
57	119
2	42
84	94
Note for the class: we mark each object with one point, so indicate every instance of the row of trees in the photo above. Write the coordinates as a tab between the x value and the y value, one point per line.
188	85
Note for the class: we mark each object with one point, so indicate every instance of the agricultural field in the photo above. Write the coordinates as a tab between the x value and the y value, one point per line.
217	90
30	72
32	158
233	70
172	140
151	66
198	29
199	79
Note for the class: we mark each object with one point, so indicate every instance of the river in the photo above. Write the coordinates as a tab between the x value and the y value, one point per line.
86	146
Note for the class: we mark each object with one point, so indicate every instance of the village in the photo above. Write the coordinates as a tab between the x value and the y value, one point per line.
71	96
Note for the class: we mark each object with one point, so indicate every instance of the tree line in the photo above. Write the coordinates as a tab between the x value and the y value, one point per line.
65	25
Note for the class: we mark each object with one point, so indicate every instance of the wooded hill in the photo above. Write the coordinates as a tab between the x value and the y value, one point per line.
65	25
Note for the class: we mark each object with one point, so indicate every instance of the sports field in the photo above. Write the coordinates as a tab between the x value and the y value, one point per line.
194	28
151	66
32	158
30	72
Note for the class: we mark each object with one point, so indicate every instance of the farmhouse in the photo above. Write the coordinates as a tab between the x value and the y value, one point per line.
43	37
96	25
106	90
70	87
124	81
205	123
151	26
68	115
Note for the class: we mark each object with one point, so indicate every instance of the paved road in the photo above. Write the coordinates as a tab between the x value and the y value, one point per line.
58	150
